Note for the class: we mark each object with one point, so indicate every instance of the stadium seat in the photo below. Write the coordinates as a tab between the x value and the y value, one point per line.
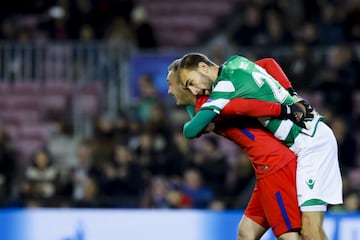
4	88
167	18
26	88
12	129
12	115
93	87
87	105
58	87
4	101
56	102
24	102
25	148
38	130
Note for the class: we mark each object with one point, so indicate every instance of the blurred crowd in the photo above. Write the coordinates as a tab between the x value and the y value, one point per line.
139	158
114	21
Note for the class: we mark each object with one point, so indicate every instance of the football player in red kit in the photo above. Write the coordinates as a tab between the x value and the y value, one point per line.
274	200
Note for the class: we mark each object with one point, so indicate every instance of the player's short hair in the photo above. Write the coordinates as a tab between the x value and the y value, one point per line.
192	60
173	67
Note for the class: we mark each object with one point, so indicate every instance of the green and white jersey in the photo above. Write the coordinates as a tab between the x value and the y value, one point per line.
241	78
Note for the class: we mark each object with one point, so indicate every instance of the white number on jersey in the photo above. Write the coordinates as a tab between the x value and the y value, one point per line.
260	78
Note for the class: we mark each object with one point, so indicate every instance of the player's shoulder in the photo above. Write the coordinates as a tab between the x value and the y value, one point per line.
236	58
237	62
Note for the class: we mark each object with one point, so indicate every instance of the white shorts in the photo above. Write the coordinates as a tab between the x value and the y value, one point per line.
318	174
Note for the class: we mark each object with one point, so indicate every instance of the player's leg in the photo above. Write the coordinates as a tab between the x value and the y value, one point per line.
279	201
253	224
249	229
312	225
289	236
318	179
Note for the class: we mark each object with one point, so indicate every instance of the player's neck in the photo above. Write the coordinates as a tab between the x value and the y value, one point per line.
214	72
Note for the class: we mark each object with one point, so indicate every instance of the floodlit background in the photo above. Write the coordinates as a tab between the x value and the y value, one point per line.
86	121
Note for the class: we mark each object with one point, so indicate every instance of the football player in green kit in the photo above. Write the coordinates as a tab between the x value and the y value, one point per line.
273	204
318	174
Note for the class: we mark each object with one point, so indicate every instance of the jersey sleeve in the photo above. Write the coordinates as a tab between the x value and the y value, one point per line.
252	108
190	110
274	69
199	119
194	127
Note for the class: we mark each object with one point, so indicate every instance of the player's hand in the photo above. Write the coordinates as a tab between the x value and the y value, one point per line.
296	112
309	114
292	91
209	128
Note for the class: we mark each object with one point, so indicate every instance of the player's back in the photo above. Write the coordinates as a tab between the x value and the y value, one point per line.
240	77
266	153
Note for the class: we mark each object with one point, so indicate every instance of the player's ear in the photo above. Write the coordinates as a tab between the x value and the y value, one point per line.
203	67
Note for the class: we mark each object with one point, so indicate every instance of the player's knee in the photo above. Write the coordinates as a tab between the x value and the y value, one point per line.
312	226
312	219
247	232
247	235
249	229
313	233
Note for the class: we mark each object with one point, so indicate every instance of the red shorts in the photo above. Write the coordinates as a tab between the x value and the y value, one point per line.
274	201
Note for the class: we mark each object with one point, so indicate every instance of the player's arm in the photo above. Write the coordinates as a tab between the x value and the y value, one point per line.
274	69
252	108
190	110
296	112
198	123
238	106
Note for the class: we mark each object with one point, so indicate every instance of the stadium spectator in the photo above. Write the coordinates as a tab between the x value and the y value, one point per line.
90	197
346	143
337	78
179	155
241	182
73	187
122	179
148	97
351	24
62	147
251	26
300	66
7	165
329	26
42	176
103	142
196	189
144	32
213	165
